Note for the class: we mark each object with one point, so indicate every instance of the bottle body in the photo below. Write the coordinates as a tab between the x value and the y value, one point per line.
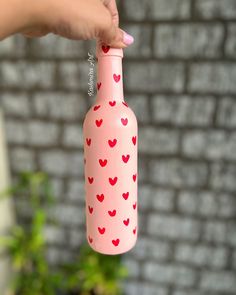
110	132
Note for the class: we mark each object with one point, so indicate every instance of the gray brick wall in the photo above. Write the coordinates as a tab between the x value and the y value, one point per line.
179	78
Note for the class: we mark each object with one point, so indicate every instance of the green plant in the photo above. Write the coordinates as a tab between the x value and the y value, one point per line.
26	245
94	273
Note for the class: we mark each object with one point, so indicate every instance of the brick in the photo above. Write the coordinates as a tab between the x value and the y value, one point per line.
153	76
142	169
68	214
16	132
22	159
57	187
76	238
226	114
178	173
54	235
218	77
231	233
13	46
15	104
139	104
73	136
133	267
42	133
59	105
230	45
27	75
142	44
56	256
223	176
156	9
188	41
188	292
55	46
210	144
59	163
200	255
148	248
234	259
219	282
173	227
73	75
76	190
183	110
135	287
169	274
158	141
215	231
214	9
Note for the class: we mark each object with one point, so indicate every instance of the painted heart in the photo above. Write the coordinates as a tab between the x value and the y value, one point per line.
100	197
134	140
112	213
113	180
112	103
88	140
90	209
99	122
103	162
125	104
90	239
125	195
105	49
90	179
99	85
134	177
125	158
84	161
112	143
116	242
134	205
101	230
134	230
124	121
126	222
96	107
116	78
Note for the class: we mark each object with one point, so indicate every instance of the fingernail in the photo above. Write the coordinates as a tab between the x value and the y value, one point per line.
127	39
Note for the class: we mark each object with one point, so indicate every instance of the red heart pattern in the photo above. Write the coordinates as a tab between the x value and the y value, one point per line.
95	108
90	179
105	49
126	222
113	180
112	103
99	122
100	198
112	143
90	209
116	242
101	230
124	121
103	162
125	158
99	85
112	213
125	195
88	140
116	78
134	140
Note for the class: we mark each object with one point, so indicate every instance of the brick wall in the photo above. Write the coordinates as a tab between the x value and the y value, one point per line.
180	79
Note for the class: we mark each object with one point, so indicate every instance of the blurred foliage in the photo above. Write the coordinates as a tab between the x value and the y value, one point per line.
91	273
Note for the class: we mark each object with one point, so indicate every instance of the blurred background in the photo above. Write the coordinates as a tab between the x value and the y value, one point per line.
180	80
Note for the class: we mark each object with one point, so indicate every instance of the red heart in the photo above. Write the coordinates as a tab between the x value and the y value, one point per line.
101	230
90	179
126	222
112	143
100	197
124	121
134	205
134	140
88	140
116	78
112	103
116	242
99	122
125	158
90	209
125	195
134	231
102	162
125	104
134	177
99	85
112	213
90	239
96	107
105	49
113	180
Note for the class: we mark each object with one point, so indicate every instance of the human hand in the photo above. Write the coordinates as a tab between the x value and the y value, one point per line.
80	19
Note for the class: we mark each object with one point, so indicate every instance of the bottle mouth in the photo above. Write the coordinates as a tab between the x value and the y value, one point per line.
105	50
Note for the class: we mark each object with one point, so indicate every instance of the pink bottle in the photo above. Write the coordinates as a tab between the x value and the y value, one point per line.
110	148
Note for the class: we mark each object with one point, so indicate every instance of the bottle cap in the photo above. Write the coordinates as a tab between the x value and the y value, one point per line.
105	50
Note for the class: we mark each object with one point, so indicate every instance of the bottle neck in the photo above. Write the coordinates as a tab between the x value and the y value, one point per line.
109	79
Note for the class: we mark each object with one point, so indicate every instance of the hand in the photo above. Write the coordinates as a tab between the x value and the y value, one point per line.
80	19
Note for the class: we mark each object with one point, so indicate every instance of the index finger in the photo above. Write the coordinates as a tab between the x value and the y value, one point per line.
112	7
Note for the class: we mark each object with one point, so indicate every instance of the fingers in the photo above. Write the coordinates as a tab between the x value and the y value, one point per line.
31	33
112	7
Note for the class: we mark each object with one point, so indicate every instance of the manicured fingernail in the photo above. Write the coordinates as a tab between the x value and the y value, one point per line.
127	39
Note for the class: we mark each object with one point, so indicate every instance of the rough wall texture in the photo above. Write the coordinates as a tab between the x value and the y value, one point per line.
180	79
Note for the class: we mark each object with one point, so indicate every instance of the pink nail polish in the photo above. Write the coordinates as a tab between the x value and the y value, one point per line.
128	39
